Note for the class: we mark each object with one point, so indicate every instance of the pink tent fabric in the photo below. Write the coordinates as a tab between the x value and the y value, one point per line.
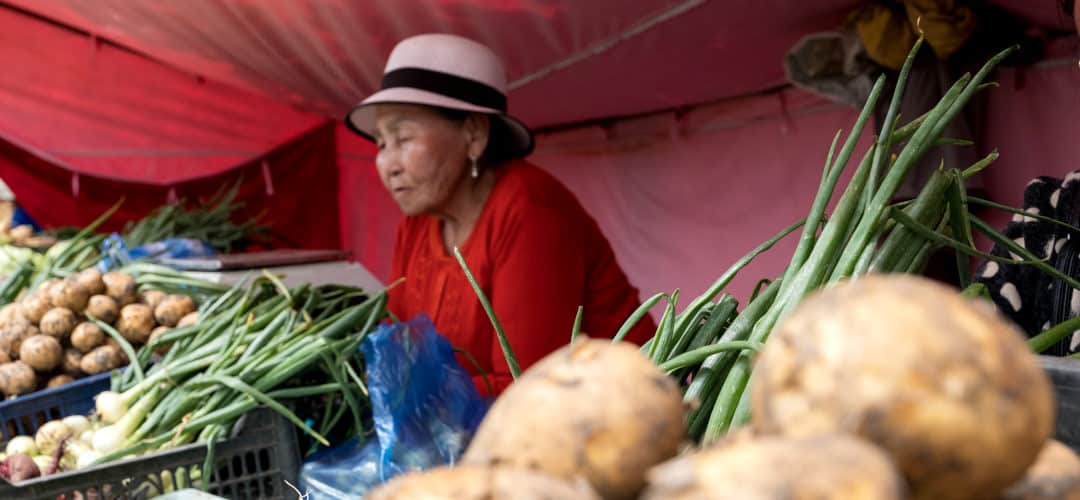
162	96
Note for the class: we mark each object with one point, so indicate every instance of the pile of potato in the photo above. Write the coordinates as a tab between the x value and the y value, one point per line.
885	388
47	339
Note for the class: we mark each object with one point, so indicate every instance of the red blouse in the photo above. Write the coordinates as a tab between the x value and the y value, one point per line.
536	254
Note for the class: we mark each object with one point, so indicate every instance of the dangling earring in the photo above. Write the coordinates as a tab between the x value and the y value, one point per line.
475	169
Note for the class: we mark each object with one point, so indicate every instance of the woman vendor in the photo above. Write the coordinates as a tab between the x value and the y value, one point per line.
452	159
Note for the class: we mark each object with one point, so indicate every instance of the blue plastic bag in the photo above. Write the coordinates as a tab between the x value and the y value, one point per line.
424	406
115	253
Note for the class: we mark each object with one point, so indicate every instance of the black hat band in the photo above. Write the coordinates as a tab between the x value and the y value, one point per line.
462	89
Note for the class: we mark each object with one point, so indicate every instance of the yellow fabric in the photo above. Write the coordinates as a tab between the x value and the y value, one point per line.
889	29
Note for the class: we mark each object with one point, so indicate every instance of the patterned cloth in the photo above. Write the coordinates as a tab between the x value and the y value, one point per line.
1030	297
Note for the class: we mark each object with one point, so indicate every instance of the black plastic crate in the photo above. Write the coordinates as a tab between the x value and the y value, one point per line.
1065	374
253	464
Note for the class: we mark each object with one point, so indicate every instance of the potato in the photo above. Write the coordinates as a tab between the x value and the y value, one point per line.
101	359
188	320
9	314
135	323
72	363
34	307
121	287
87	336
69	294
837	467
59	380
172	309
17	378
13	336
480	483
1055	475
104	308
90	279
947	387
58	323
592	409
4	356
159	331
152	298
42	352
121	356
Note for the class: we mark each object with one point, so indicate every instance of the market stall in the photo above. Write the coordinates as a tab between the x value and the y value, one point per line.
202	300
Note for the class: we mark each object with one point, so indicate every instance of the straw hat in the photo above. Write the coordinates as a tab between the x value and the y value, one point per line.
446	71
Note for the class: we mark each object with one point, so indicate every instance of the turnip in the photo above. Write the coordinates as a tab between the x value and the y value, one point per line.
58	323
481	483
172	309
87	336
942	383
20	468
837	467
593	409
42	353
135	323
121	287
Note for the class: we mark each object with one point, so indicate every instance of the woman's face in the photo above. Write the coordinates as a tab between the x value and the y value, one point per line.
422	156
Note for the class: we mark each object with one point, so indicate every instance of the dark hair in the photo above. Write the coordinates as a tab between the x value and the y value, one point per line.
500	147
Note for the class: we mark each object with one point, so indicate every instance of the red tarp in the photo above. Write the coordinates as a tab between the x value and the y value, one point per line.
295	186
210	85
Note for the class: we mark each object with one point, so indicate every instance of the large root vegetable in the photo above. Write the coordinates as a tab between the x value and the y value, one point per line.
594	409
121	287
104	308
17	378
58	323
59	381
172	309
101	359
480	483
42	352
1055	476
34	307
10	313
13	336
87	336
69	294
837	467
72	362
947	387
135	323
90	279
152	298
